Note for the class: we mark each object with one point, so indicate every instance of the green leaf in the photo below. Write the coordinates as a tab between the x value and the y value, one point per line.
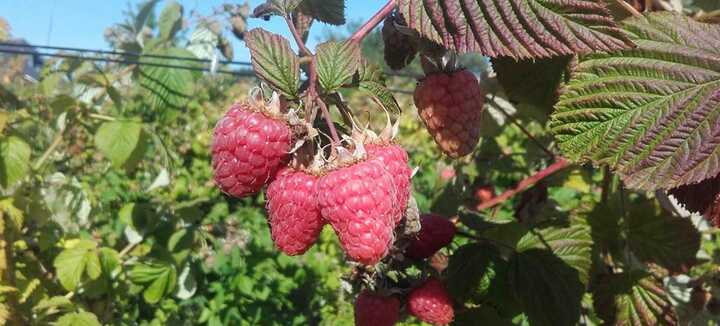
276	7
549	290
52	302
541	91
14	160
471	271
109	260
170	20
650	113
572	244
144	12
633	298
162	279
327	11
274	61
336	64
516	28
73	262
658	237
371	80
82	318
166	87
118	139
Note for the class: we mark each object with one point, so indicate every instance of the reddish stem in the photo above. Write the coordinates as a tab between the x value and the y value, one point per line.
365	29
313	97
524	184
298	39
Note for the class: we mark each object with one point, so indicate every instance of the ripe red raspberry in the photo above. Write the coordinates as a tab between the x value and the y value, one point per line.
431	303
249	147
395	160
357	200
293	212
376	310
435	232
451	106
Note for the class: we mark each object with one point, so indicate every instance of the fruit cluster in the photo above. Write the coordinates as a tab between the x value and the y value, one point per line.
363	190
363	197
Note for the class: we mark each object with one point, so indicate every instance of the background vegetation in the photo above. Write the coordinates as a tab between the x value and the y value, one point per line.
108	213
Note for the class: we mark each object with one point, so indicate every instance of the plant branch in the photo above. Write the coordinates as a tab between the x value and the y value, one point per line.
304	51
524	184
628	8
366	28
55	143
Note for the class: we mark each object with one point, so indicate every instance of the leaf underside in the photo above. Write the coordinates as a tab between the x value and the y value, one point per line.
650	113
516	28
633	298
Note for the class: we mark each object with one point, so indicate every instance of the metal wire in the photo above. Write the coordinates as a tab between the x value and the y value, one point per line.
242	73
128	54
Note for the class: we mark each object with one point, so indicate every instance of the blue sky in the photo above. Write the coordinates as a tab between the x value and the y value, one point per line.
80	23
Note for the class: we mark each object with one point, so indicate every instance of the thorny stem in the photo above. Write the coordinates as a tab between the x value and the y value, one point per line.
524	184
304	51
523	130
365	29
628	8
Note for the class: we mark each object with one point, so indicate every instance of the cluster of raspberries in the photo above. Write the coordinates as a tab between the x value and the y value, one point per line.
363	200
429	301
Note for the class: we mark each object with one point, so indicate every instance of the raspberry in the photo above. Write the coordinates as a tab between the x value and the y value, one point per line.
248	148
395	160
450	105
357	200
376	310
435	232
431	303
294	216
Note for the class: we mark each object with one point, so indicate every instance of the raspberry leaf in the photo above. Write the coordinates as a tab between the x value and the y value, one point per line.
72	263
516	28
170	20
274	61
549	291
539	92
14	160
633	298
117	140
276	7
372	82
327	11
649	113
160	279
82	318
655	236
572	244
337	63
166	87
471	272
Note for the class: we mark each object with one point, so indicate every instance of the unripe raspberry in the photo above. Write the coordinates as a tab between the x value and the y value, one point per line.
431	303
435	232
450	105
395	159
376	310
249	147
293	212
357	200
